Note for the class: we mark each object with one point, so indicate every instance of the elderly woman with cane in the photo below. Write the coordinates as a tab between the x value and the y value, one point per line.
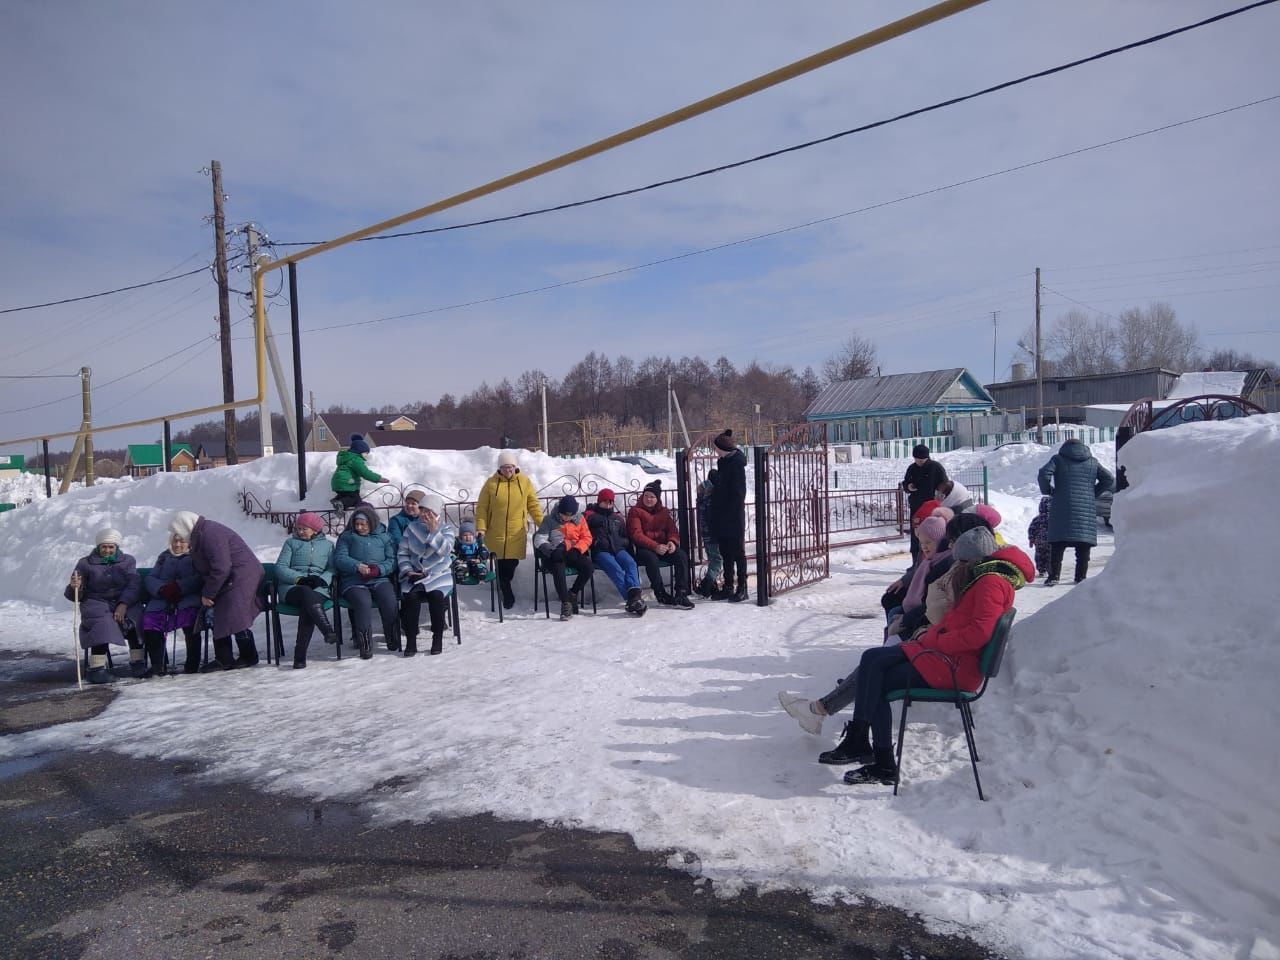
107	590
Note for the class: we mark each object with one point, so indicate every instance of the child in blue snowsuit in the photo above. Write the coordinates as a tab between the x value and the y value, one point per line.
470	558
1038	537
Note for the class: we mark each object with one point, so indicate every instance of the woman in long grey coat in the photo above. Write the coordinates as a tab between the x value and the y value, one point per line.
1073	479
232	578
110	593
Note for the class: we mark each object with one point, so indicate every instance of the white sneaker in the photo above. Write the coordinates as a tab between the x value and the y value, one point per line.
799	708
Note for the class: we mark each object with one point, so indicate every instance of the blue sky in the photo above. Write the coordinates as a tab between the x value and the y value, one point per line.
347	116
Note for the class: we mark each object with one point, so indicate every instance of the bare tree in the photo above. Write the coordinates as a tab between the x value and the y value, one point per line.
1152	337
1082	345
855	359
1078	345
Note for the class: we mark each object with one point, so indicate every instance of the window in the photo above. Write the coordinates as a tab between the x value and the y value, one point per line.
182	468
321	432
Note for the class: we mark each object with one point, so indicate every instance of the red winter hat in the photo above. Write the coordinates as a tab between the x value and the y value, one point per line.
925	509
604	496
311	521
989	514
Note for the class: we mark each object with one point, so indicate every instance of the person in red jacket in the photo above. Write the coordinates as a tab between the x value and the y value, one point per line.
944	657
654	535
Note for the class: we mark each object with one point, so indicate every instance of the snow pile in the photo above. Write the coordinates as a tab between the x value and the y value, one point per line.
1196	383
1126	747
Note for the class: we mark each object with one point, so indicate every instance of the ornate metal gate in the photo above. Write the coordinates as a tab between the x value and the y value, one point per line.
792	522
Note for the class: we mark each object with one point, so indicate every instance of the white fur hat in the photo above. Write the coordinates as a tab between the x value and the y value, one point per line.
507	458
107	535
433	503
183	522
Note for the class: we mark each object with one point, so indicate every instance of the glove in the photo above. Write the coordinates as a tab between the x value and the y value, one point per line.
171	592
311	581
544	551
370	573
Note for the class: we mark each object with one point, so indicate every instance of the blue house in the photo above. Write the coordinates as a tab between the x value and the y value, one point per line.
888	415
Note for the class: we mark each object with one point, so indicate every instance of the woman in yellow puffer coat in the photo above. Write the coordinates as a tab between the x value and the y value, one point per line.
506	501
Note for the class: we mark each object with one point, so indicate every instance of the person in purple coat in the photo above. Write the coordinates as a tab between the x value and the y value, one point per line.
173	589
110	594
232	577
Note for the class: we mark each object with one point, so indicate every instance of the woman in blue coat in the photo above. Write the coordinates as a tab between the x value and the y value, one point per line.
304	570
110	594
1073	479
173	591
364	558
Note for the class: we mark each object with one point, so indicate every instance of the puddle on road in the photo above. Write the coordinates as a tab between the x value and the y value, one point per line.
22	765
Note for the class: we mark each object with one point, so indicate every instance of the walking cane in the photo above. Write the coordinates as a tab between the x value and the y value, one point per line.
75	635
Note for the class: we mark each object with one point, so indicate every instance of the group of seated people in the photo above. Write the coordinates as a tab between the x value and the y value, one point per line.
941	613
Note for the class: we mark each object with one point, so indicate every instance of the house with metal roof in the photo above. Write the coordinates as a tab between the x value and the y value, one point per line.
889	414
145	459
332	432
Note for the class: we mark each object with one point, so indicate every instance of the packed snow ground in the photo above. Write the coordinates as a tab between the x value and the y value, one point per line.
1128	754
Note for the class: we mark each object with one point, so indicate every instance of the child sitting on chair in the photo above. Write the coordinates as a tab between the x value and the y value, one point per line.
470	558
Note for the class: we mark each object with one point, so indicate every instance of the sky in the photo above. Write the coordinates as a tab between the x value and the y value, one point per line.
331	122
1127	745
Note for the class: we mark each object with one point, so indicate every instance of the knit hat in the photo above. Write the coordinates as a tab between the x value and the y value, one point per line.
654	487
963	522
567	505
713	475
724	441
946	513
988	513
358	444
920	452
507	458
604	496
415	495
310	521
957	494
429	501
107	535
183	522
976	544
466	526
933	528
370	516
924	510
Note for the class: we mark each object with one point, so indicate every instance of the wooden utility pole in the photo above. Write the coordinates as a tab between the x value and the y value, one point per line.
277	370
224	310
1039	370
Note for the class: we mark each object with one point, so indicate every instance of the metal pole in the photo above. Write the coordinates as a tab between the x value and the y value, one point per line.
167	451
546	436
86	400
762	525
48	478
1039	370
297	379
670	448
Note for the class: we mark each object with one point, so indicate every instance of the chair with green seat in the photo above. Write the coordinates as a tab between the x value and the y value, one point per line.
540	573
989	661
278	607
490	577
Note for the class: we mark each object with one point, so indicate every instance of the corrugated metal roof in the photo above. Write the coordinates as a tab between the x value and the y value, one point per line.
892	392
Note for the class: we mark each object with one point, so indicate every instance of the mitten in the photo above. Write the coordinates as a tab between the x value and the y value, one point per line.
171	592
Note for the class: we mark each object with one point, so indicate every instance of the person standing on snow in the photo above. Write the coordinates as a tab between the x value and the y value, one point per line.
920	483
1073	480
726	516
350	470
507	501
110	593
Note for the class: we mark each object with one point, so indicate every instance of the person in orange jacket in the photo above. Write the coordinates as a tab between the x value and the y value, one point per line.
562	539
654	535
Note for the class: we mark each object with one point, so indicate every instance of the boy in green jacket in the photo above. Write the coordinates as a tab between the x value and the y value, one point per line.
351	469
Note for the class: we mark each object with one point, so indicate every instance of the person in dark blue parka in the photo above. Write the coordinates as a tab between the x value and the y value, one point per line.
1072	479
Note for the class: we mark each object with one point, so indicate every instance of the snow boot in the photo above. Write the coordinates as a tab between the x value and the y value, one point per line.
683	601
664	599
155	654
364	644
508	595
410	644
706	588
322	622
437	643
739	595
248	649
98	672
223	658
192	663
300	653
574	599
635	603
854	748
393	639
883	771
566	609
138	663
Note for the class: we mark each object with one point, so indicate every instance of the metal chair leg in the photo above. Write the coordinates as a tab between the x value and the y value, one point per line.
902	737
973	752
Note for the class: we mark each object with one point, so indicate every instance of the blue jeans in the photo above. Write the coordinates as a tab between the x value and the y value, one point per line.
880	670
619	567
715	563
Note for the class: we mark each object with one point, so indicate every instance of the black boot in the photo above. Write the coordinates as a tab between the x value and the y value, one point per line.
364	644
437	643
741	593
854	748
248	649
393	638
192	663
138	664
883	771
727	591
223	658
508	595
706	588
410	644
155	653
322	623
635	603
300	653
664	599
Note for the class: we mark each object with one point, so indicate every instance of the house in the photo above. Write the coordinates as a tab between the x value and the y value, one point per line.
12	464
213	453
1256	386
904	408
332	432
1065	398
145	459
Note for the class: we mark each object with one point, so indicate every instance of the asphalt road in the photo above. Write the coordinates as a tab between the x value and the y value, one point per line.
105	856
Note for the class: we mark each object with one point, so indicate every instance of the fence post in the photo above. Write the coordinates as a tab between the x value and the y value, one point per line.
986	488
682	511
762	525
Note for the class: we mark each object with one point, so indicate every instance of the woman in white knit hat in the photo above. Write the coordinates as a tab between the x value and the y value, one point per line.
506	502
110	593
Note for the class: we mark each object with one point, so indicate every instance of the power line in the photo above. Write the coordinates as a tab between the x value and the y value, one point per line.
809	143
1187	256
107	293
799	226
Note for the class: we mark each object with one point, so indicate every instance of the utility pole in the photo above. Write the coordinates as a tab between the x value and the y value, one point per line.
224	310
273	357
546	437
995	338
1039	370
311	394
86	402
670	451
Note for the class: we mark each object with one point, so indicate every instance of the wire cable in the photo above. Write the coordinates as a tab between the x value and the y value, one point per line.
808	143
104	293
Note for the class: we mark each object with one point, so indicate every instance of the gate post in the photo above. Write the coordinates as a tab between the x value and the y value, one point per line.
683	510
762	525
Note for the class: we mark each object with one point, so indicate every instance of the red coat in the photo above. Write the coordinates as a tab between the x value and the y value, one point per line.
649	528
967	626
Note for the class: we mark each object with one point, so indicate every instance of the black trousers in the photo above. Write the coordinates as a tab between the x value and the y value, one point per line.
556	561
305	599
734	554
348	499
363	597
652	566
411	611
1058	548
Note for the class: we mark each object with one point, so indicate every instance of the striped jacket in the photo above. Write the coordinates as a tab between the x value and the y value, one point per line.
422	551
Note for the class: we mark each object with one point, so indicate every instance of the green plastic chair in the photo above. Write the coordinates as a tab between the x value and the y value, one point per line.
540	573
277	608
989	662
